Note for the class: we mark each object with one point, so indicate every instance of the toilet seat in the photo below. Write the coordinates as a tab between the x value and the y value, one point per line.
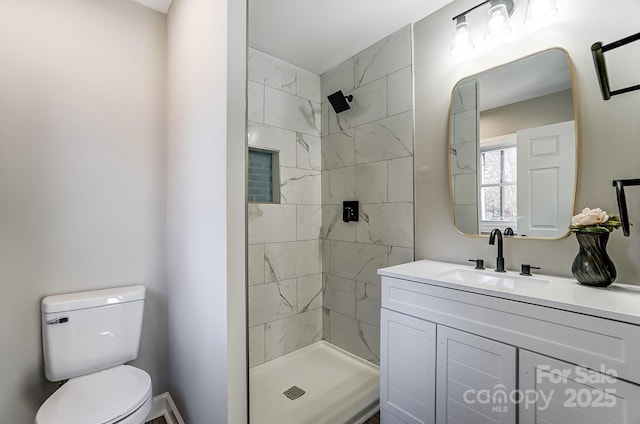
104	397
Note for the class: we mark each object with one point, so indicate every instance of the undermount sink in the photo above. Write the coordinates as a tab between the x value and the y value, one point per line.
504	280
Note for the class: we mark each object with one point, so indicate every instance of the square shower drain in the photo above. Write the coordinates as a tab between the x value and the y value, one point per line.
293	392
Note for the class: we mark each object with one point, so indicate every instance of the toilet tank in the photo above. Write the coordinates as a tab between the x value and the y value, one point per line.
91	331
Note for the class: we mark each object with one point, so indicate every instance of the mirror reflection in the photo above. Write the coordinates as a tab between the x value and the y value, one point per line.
513	148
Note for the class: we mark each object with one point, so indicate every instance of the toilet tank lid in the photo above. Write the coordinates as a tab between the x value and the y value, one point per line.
92	299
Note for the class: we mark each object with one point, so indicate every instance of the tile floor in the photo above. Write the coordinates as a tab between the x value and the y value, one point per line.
374	420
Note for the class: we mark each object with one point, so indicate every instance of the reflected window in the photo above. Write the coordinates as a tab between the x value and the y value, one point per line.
498	186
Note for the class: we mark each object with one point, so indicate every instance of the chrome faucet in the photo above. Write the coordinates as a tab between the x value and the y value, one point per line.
500	259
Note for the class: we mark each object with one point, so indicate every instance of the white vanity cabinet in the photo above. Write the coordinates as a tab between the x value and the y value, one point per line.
408	356
467	362
567	393
543	351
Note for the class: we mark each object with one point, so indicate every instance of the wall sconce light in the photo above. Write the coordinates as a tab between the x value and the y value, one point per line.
498	25
461	36
498	21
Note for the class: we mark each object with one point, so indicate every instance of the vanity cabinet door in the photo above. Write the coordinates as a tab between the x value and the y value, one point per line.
557	392
407	367
475	378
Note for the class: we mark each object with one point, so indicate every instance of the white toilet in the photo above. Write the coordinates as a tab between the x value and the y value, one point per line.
87	338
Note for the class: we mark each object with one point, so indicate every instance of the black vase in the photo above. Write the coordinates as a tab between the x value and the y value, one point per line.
593	266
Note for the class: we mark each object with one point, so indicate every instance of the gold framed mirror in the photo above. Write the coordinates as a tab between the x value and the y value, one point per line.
513	148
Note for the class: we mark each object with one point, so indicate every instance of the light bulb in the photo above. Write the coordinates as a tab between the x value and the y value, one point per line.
461	37
538	10
498	24
497	21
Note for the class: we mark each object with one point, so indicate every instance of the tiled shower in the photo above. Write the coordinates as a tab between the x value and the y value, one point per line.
312	276
285	249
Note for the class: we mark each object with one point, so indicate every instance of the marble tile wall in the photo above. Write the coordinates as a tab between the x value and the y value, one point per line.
464	156
312	276
367	155
285	248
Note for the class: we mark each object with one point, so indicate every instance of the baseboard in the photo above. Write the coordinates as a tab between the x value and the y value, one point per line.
163	406
369	412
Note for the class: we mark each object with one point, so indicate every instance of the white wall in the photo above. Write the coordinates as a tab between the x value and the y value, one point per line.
237	349
609	131
81	174
544	110
206	210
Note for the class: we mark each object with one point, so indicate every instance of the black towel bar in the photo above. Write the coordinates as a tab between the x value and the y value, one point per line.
598	50
622	201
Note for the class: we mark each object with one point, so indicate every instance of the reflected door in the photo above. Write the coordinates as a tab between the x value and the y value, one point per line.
546	173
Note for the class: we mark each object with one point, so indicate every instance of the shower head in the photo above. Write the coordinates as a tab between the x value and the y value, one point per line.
339	101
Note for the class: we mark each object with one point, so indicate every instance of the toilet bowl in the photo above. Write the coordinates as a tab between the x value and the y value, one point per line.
88	338
119	395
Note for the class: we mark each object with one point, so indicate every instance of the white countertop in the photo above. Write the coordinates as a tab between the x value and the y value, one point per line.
619	302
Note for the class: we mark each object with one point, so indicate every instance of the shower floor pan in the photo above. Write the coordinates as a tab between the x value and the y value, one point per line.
339	388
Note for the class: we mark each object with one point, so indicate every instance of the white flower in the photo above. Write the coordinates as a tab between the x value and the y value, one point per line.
590	217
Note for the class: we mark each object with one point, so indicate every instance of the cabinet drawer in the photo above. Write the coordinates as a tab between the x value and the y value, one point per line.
582	339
